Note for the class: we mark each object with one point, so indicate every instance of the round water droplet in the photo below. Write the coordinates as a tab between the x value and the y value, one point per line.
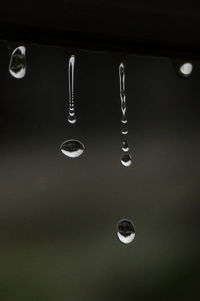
125	231
126	160
124	131
186	69
17	66
72	148
72	119
125	146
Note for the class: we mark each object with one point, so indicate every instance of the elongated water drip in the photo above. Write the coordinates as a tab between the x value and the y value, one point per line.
122	92
126	159
17	66
72	148
186	69
71	117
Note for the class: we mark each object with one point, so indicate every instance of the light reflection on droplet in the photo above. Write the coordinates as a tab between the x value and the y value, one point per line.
186	69
125	231
126	160
17	66
124	119
124	131
125	146
71	119
72	148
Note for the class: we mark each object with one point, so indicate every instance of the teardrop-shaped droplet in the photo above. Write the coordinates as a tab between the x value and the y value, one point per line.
126	160
125	231
125	146
72	148
17	66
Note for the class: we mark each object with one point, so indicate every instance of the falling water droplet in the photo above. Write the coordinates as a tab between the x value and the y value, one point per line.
124	119
72	148
125	231
71	117
17	66
186	69
125	146
126	160
124	131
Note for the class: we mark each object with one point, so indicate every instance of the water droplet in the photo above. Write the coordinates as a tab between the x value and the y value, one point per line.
124	131
125	146
17	66
72	148
124	119
125	231
71	119
126	160
71	90
186	69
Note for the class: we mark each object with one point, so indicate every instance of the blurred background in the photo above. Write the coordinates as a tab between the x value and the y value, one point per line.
58	216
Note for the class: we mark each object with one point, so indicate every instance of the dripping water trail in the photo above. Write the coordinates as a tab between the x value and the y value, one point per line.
126	159
71	117
72	148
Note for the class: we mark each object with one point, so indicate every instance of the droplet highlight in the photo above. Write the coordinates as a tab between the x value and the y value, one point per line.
125	231
72	148
126	160
17	66
71	119
71	116
186	69
125	146
124	131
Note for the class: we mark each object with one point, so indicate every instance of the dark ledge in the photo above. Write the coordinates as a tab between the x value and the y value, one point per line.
140	27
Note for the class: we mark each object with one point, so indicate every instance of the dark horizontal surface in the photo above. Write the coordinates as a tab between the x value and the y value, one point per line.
145	27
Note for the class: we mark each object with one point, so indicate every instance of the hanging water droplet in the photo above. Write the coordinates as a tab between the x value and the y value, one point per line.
17	66
125	231
71	117
125	146
186	69
126	160
72	148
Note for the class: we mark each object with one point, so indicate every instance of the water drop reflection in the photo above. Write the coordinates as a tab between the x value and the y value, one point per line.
125	231
72	148
186	69
17	66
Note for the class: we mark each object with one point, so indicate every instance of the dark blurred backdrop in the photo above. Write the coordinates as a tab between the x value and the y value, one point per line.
58	215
